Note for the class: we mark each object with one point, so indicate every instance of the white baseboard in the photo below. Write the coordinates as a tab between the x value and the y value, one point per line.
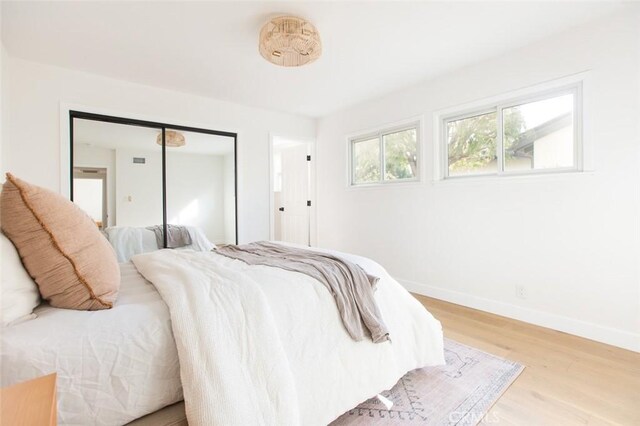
608	335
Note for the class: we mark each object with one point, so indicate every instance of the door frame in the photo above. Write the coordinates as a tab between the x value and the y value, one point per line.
312	186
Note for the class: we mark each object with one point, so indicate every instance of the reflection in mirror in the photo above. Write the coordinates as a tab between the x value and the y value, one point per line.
118	180
201	183
132	163
90	191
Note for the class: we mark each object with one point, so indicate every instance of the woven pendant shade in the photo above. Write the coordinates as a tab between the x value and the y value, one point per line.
290	41
173	139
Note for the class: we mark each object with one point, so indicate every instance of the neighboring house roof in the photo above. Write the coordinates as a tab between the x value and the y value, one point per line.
526	140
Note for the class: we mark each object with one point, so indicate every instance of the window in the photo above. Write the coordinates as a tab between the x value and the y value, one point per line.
530	134
387	156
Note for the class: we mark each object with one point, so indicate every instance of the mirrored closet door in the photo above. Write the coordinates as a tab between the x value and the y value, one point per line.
154	185
200	187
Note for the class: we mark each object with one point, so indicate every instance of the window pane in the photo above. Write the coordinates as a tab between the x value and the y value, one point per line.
401	155
366	161
472	145
539	135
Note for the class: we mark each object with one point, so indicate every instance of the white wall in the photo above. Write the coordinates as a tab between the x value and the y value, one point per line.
3	101
138	188
572	240
229	200
36	92
2	96
196	193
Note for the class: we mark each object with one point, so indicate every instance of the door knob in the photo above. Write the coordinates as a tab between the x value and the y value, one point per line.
281	209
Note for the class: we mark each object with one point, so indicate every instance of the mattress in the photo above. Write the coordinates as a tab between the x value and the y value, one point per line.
113	365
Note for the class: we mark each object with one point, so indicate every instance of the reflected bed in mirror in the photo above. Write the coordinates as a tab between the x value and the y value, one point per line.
128	241
152	185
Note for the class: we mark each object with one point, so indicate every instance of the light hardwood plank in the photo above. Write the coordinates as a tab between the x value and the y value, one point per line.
568	380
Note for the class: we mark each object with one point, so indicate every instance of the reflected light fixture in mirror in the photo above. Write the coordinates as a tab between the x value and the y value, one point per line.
173	139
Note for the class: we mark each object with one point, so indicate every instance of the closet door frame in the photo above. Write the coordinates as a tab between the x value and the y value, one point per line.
82	115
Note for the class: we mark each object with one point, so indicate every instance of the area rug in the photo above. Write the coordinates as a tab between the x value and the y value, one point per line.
459	393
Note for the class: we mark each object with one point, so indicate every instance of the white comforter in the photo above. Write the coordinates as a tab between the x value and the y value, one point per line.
113	365
259	345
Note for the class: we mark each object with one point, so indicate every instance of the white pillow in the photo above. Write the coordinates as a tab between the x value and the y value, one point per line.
18	292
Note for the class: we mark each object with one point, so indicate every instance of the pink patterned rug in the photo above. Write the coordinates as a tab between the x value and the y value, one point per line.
459	393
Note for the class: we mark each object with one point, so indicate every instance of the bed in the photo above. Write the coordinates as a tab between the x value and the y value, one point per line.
117	365
113	365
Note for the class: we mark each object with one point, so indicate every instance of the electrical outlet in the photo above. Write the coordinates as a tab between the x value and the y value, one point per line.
521	292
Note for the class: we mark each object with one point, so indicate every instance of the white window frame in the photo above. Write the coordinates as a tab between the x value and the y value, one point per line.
571	85
379	134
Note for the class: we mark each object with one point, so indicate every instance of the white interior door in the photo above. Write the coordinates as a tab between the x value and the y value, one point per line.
293	210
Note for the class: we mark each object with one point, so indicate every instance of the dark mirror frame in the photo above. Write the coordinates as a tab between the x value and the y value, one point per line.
162	127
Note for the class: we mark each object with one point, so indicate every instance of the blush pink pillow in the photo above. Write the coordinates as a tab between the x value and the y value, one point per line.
73	264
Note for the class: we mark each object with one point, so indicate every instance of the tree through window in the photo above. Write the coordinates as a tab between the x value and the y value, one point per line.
388	156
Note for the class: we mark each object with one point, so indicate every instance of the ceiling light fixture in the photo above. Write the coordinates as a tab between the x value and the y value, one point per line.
289	41
173	139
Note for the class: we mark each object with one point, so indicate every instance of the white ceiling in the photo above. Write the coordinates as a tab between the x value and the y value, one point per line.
113	136
210	48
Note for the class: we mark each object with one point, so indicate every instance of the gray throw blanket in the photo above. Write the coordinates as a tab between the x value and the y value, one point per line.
351	287
177	236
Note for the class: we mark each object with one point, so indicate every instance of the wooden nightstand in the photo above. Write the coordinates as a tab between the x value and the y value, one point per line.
30	403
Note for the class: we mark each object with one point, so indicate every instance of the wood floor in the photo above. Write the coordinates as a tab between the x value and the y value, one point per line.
568	380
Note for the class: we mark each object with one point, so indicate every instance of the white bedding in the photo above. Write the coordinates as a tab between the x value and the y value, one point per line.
113	365
260	345
127	241
117	365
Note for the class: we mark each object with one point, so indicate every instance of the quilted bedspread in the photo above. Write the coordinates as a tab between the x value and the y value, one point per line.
264	346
